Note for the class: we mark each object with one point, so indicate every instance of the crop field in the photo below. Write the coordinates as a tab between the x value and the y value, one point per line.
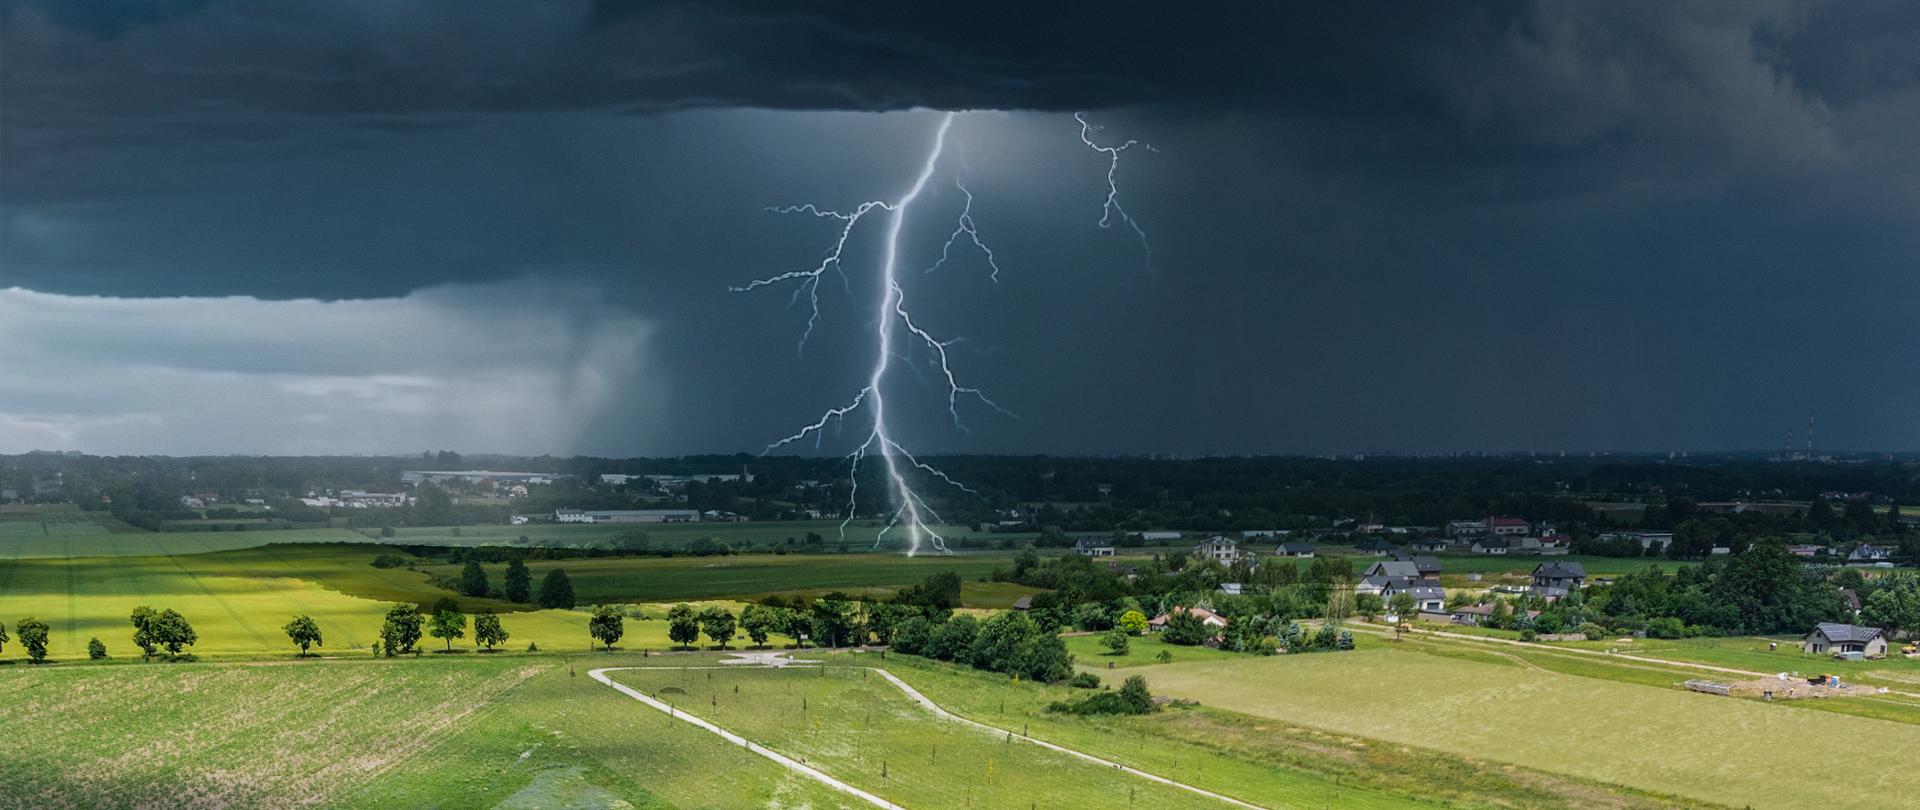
1654	737
103	544
739	535
657	579
238	600
863	730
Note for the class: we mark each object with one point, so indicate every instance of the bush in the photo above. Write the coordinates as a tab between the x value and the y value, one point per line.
391	561
1592	631
1133	698
1666	627
95	649
1116	641
1084	680
1529	635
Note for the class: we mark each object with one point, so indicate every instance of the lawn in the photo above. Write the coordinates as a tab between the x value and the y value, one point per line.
1657	738
861	729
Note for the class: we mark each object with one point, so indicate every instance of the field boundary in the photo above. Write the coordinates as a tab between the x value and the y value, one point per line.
925	702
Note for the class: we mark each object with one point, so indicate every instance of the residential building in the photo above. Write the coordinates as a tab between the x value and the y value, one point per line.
1645	539
1428	597
1093	547
1151	537
627	516
1294	548
1508	527
1207	617
1557	579
1393	568
1867	554
1430	544
1374	546
1466	528
1429	567
1830	637
1223	550
1489	545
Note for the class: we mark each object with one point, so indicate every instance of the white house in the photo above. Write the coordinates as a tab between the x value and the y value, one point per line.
1093	547
1223	550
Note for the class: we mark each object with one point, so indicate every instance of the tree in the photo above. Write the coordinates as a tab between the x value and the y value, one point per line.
683	625
831	621
487	630
143	638
519	581
33	636
1134	692
448	623
1894	607
3	637
556	591
168	629
718	624
401	630
1134	622
1116	641
1402	605
304	633
95	649
1185	628
473	579
608	625
759	621
1368	605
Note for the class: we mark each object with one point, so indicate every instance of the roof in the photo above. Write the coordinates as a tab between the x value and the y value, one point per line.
1023	603
1507	521
1375	544
1394	568
1491	542
1427	563
1428	592
1431	541
1204	615
1560	570
1092	542
1295	547
1847	632
1476	610
1218	540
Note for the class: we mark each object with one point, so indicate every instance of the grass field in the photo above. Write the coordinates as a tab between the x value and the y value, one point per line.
1659	738
852	726
739	535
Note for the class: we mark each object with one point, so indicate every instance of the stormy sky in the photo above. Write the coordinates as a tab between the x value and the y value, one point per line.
380	226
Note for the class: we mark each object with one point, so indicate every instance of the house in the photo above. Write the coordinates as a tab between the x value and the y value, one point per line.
1375	547
1294	549
1207	617
1645	539
1223	550
1377	585
1508	527
1393	568
1466	528
1490	545
1231	588
1563	575
1827	637
1867	554
1429	567
1155	537
1093	547
1428	597
1023	603
1263	534
1430	544
1806	550
1852	600
1470	615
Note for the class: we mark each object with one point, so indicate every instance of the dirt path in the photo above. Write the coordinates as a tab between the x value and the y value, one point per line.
936	709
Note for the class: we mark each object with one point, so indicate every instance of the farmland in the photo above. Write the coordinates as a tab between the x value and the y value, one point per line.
1658	738
654	579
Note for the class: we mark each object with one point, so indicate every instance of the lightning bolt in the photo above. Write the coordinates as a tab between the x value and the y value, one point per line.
910	510
1112	207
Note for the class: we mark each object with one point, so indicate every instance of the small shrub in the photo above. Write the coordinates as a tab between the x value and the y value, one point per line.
95	649
1084	680
1133	698
1165	657
1592	631
533	647
1529	635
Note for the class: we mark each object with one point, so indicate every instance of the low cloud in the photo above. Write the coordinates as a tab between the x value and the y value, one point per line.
511	367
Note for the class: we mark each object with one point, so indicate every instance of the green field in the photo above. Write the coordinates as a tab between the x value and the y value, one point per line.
1658	738
739	535
852	725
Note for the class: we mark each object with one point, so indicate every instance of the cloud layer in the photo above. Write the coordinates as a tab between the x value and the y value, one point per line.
521	368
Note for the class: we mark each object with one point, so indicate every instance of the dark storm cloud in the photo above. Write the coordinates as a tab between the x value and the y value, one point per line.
1376	225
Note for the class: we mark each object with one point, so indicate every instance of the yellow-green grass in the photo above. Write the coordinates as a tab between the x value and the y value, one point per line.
1751	653
238	601
437	732
863	730
984	596
1265	761
657	579
1656	738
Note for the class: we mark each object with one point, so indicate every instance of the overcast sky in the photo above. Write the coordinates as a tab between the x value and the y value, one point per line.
387	226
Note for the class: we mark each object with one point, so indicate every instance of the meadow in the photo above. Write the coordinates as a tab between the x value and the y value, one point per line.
655	579
1509	709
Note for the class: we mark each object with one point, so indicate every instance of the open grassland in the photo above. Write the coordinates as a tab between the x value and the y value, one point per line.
740	535
861	729
1265	761
501	732
658	579
104	544
1508	708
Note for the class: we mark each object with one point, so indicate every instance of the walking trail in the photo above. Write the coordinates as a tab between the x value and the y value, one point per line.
791	764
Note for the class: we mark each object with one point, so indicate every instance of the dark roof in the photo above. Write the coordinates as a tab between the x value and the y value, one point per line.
1295	547
1023	603
1847	632
1421	591
1491	542
1092	542
1395	568
1561	570
1375	544
1427	563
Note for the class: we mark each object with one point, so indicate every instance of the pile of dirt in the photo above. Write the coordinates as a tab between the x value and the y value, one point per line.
1799	688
